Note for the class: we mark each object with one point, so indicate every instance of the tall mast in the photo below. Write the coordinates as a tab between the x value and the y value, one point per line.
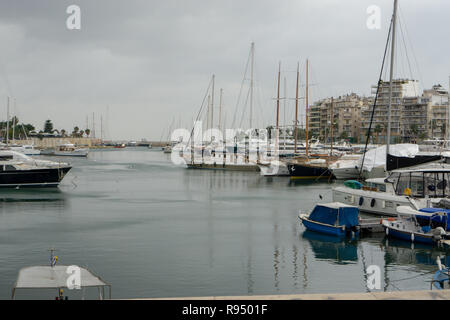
307	108
14	124
220	109
284	114
7	121
394	20
212	102
332	125
448	111
278	108
252	61
296	110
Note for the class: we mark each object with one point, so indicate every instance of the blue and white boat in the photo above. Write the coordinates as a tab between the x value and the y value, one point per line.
337	219
406	227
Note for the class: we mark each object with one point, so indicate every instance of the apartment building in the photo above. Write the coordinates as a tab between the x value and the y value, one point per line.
438	121
343	111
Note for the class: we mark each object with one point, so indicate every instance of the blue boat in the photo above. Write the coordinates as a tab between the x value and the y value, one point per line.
406	227
437	220
336	219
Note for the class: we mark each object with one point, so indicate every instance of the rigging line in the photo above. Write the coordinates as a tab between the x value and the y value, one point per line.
412	48
406	53
244	109
240	90
413	277
201	108
376	96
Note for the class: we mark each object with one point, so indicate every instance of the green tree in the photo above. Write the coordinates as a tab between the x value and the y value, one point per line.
75	132
378	129
88	132
48	126
63	132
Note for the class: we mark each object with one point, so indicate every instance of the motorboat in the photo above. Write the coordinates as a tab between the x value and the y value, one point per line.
68	150
28	150
18	170
406	227
337	219
418	188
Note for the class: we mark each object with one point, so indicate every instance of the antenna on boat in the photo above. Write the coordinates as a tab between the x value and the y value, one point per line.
278	110
53	258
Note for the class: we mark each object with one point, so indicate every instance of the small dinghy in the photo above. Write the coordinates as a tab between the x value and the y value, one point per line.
441	279
406	227
337	219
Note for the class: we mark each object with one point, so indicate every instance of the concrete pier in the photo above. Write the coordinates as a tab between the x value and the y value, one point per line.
395	295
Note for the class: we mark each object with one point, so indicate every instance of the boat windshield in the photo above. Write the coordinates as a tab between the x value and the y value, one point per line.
423	184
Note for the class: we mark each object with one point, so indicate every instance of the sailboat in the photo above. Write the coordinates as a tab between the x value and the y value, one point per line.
418	187
310	166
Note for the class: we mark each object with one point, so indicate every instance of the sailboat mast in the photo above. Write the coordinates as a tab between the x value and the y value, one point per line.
296	111
252	62
7	121
307	108
278	108
391	75
14	124
212	102
332	124
220	109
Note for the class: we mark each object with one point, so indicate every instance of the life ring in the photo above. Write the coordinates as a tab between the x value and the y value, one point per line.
361	201
407	192
372	203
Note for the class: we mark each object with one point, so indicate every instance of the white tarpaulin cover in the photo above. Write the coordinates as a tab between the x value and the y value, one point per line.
377	157
53	277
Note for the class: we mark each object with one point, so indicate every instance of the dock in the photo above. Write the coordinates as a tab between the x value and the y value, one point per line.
371	225
376	295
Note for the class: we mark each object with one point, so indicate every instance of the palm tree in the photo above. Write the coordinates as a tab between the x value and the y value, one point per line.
63	132
75	132
378	129
88	132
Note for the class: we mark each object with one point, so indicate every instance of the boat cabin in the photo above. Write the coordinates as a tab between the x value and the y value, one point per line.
66	147
421	183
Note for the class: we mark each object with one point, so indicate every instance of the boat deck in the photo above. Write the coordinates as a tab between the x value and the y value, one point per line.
371	225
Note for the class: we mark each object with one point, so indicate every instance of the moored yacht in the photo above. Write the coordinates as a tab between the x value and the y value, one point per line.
18	170
417	188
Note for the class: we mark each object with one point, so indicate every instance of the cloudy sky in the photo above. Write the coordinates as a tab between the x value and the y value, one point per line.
144	65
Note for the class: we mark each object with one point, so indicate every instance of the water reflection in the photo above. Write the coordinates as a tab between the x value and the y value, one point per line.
324	247
33	197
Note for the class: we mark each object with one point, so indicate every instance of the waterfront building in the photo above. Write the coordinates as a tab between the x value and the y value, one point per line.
343	111
438	120
402	88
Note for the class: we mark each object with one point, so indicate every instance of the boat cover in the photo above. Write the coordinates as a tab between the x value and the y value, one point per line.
377	157
54	277
331	212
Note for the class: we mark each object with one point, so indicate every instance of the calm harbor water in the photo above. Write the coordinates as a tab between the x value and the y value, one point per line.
151	229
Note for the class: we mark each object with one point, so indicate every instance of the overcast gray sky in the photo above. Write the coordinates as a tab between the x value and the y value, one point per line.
143	64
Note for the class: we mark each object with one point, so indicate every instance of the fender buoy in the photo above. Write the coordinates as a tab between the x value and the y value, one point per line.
412	237
407	192
372	203
361	201
387	231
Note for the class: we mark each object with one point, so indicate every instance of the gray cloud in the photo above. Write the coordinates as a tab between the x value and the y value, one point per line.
151	61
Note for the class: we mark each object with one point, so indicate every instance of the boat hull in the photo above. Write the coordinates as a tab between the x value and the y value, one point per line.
323	228
304	171
373	202
48	177
408	235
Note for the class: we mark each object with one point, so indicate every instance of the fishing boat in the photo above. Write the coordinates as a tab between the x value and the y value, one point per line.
70	150
337	219
406	227
18	170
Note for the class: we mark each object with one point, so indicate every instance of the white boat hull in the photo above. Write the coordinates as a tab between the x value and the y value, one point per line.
345	173
373	202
